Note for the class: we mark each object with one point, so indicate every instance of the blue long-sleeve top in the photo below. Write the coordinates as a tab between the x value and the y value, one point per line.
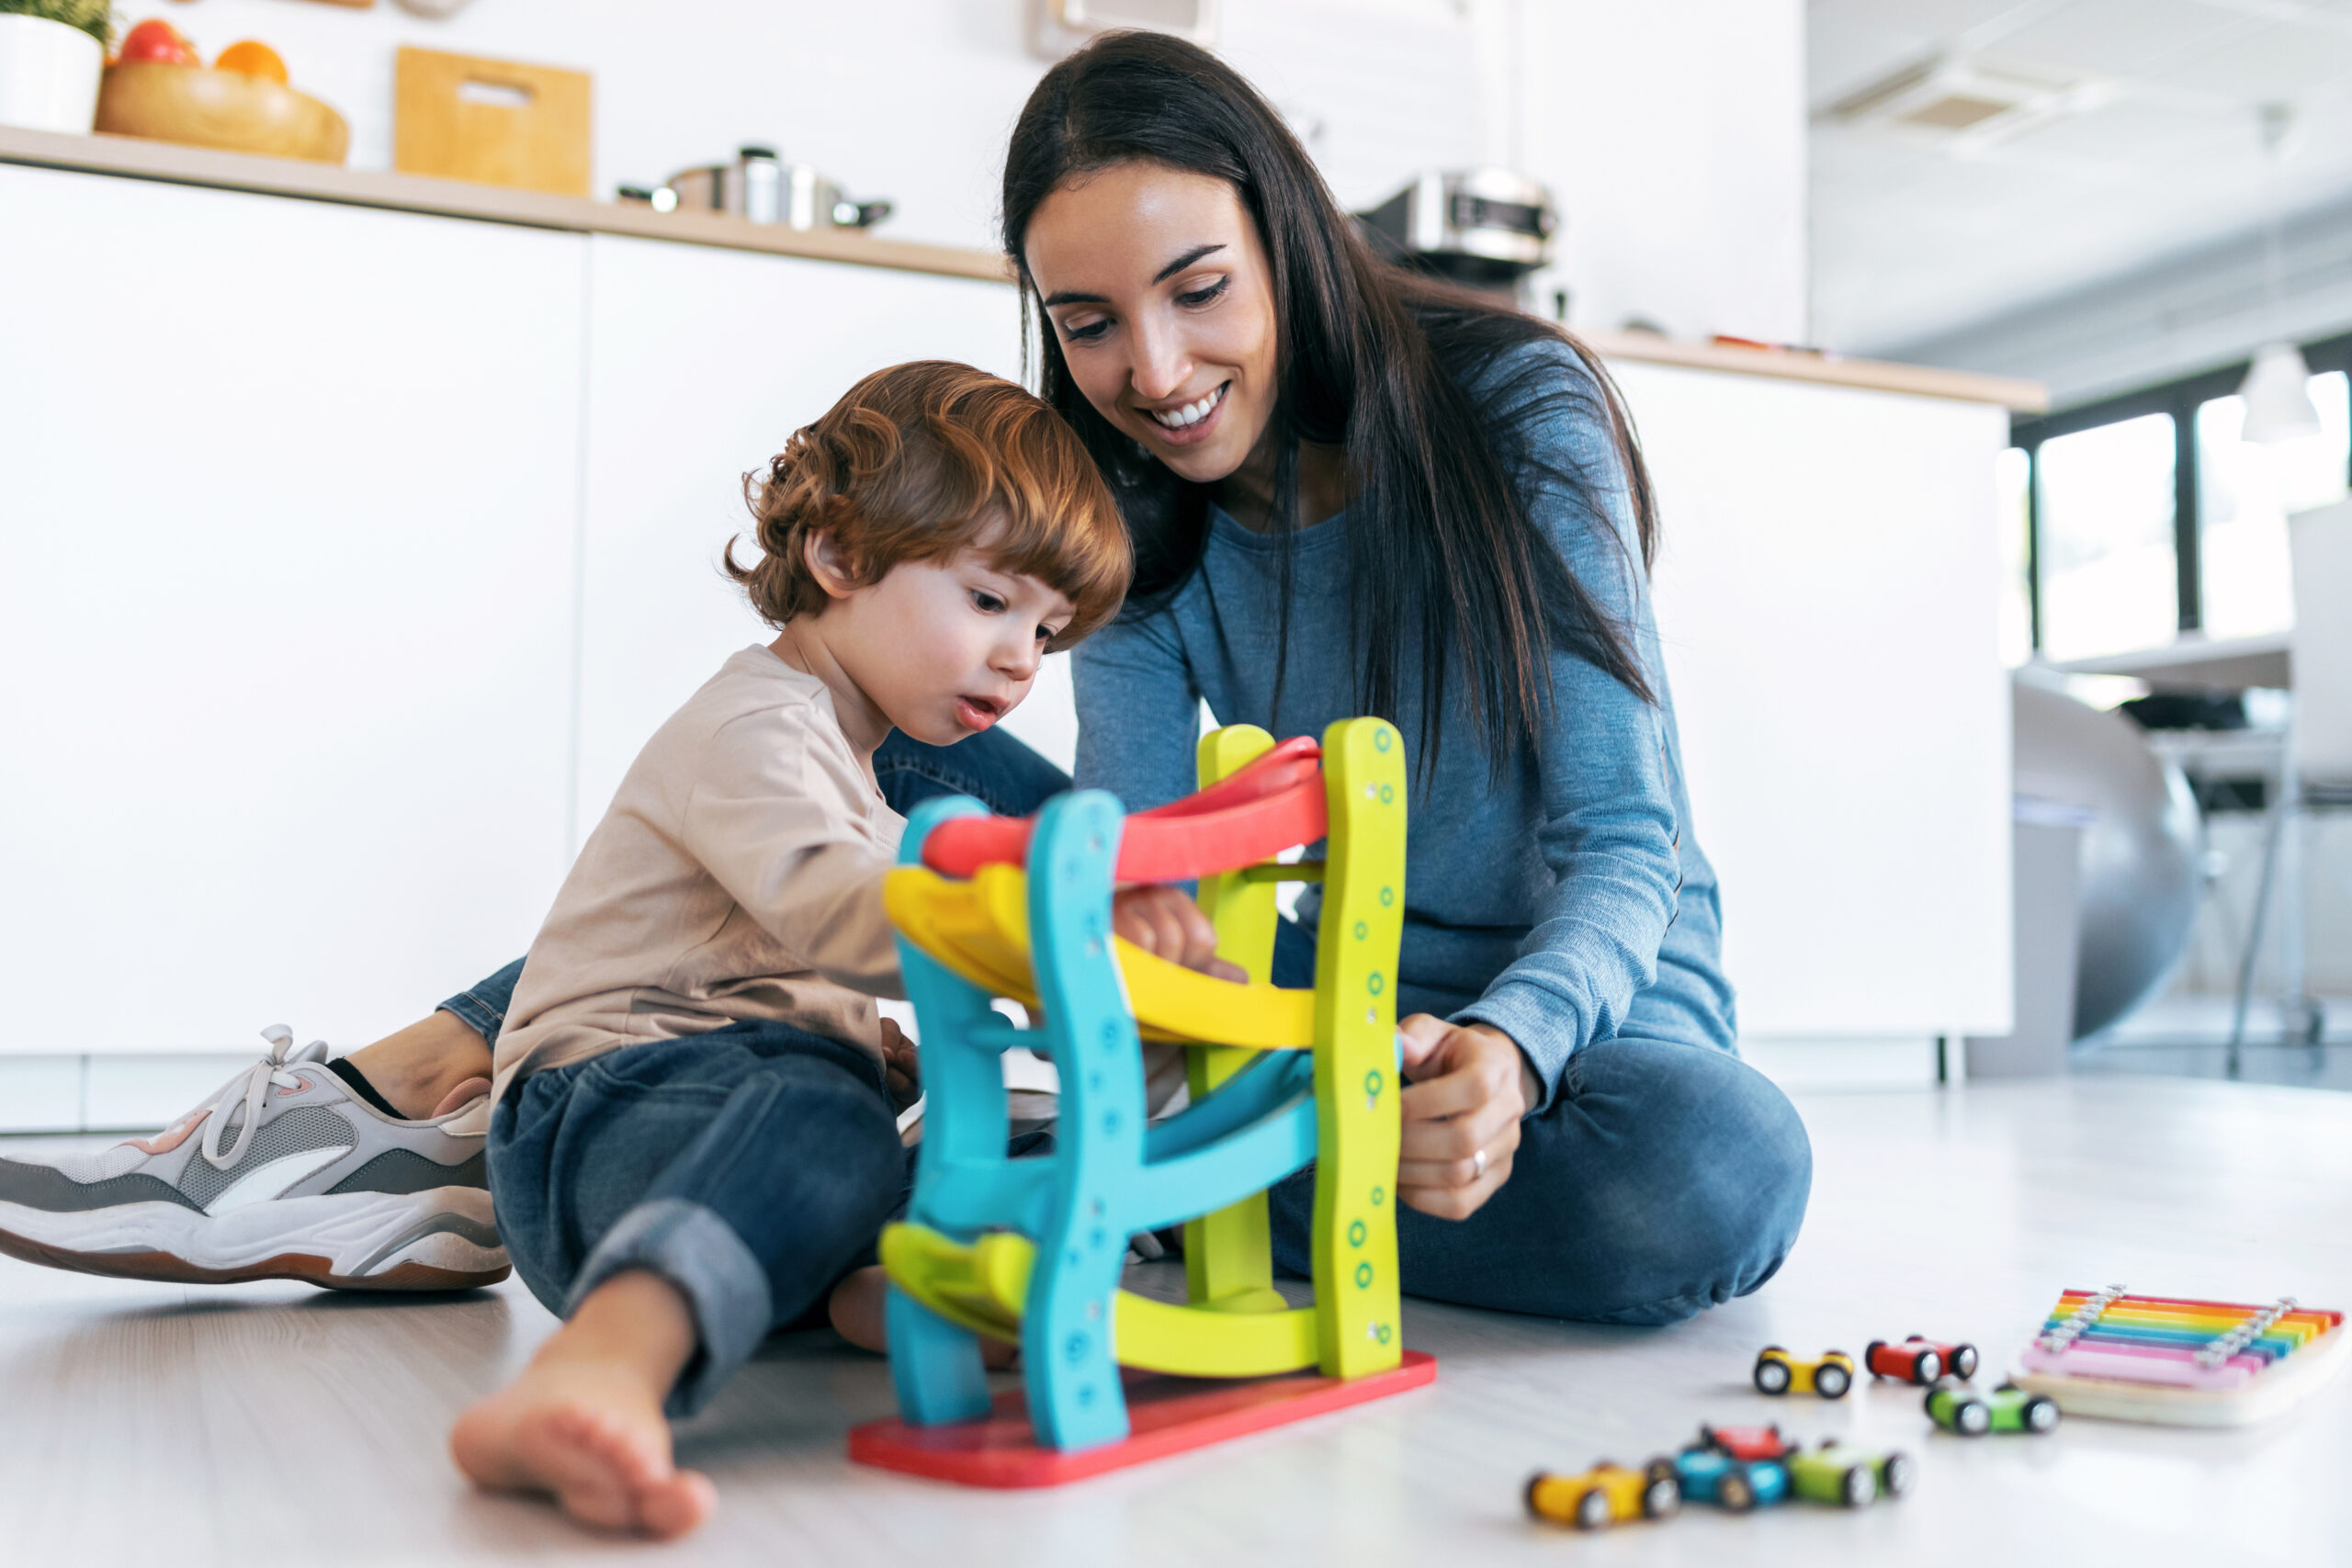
1565	902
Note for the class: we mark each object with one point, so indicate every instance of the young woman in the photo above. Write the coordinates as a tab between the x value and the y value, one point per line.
1353	490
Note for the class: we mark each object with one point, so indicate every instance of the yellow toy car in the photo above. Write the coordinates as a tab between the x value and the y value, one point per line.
1777	1372
1605	1494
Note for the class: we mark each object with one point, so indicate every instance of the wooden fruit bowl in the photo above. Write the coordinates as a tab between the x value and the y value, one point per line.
227	110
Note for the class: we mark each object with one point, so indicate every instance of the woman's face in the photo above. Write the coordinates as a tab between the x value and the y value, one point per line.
1157	288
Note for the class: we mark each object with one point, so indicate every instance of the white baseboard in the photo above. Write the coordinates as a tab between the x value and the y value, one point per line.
1907	1062
107	1092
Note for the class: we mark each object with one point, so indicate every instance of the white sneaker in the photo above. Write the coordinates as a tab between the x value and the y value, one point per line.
283	1175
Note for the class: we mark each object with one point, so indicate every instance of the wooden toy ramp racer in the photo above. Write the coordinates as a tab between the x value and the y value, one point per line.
1029	1250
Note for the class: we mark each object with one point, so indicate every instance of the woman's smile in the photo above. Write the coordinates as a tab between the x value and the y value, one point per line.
1187	423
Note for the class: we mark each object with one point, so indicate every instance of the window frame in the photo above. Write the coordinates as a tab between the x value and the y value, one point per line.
2180	399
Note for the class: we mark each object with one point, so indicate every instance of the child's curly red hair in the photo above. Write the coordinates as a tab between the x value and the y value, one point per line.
921	460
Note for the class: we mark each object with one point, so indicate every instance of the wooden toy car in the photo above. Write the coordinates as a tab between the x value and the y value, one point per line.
1892	1469
1914	1360
2007	1408
1747	1443
1830	1376
1736	1485
1605	1494
1834	1474
1960	1359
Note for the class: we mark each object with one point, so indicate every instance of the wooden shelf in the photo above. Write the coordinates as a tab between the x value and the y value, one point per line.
133	158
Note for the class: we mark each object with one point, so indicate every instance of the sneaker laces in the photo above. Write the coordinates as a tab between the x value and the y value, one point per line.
248	1090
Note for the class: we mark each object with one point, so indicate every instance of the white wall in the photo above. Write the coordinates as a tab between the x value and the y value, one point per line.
1673	130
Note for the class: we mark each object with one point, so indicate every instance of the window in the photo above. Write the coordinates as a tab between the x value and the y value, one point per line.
2245	493
2108	567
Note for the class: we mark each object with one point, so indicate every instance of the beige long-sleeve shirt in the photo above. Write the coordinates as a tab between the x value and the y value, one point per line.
736	875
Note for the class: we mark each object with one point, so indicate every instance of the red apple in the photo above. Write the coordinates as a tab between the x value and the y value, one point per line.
158	42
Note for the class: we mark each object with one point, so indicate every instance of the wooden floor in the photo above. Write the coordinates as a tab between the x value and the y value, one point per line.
263	1425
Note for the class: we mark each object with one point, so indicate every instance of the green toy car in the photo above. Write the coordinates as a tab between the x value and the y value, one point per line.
1845	1477
2008	1408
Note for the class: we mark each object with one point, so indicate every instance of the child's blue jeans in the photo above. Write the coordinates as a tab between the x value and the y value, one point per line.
750	1168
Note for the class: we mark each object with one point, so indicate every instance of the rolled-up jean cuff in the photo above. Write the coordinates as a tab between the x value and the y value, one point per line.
485	1014
724	1285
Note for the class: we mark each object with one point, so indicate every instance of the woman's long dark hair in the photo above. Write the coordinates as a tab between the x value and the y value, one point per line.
1370	359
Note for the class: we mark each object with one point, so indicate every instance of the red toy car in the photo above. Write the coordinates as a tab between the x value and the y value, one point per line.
1747	1443
1960	1360
1914	1360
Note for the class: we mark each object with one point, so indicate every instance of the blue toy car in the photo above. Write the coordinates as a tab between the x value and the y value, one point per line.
1736	1485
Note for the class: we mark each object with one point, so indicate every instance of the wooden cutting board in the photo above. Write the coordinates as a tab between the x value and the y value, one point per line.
500	122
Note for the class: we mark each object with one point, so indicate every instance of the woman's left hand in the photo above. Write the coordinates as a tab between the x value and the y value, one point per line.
1468	1085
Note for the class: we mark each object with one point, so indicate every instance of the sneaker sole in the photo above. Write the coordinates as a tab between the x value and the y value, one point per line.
438	1240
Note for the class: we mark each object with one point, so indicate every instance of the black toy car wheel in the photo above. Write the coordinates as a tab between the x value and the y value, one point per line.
2041	1414
1734	1492
1661	1497
1927	1367
1593	1510
1771	1377
1860	1487
1963	1361
1972	1418
1894	1475
1831	1381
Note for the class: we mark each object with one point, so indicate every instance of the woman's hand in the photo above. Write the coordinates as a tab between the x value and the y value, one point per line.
1468	1085
1167	924
901	1068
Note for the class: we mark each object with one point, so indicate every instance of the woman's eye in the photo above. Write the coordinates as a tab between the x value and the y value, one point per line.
986	603
1047	633
1087	333
1202	295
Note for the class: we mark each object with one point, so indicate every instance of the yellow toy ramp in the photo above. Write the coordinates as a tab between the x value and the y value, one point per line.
980	930
982	1288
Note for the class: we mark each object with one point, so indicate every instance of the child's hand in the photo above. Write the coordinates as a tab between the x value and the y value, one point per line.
901	1069
1166	924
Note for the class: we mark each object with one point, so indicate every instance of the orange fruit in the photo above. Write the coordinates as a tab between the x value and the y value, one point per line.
253	60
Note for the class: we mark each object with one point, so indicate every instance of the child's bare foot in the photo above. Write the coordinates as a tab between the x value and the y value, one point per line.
585	1422
857	1309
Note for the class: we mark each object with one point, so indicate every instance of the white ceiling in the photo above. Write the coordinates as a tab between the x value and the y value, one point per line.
1910	241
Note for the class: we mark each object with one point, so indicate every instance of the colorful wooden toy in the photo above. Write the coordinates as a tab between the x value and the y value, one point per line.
1606	1493
1747	1443
2182	1363
1845	1477
1735	1485
1029	1250
1830	1375
1894	1470
2007	1408
1914	1360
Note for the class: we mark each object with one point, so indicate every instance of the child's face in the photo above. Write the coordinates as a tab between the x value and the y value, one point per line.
945	649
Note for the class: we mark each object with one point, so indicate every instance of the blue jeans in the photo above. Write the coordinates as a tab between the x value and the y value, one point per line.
1663	1178
750	1168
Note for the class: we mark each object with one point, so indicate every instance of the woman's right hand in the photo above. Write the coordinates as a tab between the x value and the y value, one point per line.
1167	924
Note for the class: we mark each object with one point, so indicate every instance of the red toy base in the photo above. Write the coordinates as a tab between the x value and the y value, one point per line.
1165	1415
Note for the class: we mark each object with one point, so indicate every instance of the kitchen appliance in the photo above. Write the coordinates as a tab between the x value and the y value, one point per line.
1486	227
761	188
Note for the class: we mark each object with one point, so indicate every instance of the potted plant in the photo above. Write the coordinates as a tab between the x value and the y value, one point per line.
51	55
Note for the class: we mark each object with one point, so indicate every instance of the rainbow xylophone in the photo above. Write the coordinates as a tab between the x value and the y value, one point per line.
2180	1361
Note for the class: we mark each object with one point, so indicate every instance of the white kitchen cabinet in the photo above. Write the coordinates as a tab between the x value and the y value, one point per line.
1827	595
287	573
702	364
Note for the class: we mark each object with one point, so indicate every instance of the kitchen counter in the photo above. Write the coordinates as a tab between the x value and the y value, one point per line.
134	158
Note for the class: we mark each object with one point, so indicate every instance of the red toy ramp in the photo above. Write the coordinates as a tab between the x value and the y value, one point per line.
1274	804
1165	1415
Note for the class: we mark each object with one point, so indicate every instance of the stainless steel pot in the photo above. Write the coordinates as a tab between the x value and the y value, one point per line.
761	188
